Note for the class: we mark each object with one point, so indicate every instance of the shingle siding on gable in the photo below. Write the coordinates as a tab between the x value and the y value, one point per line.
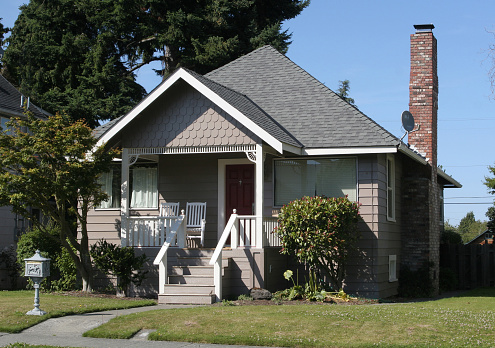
189	119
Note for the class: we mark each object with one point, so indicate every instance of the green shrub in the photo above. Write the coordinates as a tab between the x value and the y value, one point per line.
62	268
68	272
416	283
321	232
119	262
448	279
8	257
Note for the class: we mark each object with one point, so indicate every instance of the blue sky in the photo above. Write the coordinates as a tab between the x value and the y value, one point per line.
367	43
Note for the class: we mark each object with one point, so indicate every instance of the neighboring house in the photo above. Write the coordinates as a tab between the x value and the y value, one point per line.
252	136
11	105
483	238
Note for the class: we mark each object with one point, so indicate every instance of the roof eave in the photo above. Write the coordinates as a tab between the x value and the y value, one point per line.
452	182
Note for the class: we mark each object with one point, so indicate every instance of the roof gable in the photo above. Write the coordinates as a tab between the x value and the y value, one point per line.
229	101
183	117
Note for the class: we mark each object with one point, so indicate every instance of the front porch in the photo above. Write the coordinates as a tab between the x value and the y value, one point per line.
188	274
231	260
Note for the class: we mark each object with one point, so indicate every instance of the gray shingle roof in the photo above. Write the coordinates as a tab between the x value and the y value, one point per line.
10	101
248	108
100	130
307	109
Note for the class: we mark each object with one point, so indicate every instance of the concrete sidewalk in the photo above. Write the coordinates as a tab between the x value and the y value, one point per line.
67	332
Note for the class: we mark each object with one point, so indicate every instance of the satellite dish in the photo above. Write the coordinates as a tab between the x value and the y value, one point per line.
407	121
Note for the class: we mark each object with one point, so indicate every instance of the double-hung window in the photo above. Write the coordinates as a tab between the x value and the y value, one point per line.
330	177
110	184
143	187
144	192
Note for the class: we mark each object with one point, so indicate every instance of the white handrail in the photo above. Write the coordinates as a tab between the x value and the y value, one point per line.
223	238
176	227
178	232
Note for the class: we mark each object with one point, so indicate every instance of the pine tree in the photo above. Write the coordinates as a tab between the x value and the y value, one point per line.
81	55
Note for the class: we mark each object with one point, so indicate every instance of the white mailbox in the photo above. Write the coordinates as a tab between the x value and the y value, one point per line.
37	268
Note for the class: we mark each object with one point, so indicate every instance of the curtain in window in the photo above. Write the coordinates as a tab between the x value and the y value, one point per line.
144	188
323	177
105	180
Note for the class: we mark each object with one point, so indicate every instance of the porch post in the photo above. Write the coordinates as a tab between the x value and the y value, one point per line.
258	196
124	197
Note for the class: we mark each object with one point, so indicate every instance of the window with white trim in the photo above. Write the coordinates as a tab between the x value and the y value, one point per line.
143	187
392	268
330	177
390	188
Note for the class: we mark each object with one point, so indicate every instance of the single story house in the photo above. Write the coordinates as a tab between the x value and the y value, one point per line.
251	136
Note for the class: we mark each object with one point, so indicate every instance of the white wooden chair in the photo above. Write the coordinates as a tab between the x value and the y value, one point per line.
169	209
196	221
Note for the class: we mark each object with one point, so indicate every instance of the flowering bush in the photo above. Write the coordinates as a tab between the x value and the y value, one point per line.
320	231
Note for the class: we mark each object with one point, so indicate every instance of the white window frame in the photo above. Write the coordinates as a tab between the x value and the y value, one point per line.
392	268
312	158
390	184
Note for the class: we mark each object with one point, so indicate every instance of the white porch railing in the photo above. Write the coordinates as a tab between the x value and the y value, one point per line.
177	235
242	232
148	231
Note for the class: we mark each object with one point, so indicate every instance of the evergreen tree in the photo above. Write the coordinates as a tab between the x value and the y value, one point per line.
62	60
2	32
343	92
81	55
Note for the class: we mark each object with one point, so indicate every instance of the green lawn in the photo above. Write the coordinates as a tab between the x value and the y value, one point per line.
467	320
15	304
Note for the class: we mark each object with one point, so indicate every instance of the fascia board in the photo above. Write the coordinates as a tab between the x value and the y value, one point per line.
143	104
292	149
348	151
232	111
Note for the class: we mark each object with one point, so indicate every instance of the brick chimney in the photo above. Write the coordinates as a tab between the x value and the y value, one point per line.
421	204
423	92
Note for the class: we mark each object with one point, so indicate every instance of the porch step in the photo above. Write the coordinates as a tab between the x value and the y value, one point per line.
193	261
189	289
205	279
186	299
190	277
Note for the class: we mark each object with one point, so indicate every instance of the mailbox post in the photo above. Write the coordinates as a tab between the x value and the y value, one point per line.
37	268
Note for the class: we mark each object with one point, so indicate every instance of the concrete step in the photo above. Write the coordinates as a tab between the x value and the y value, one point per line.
186	299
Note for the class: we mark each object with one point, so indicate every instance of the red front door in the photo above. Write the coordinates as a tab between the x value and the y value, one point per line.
240	189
